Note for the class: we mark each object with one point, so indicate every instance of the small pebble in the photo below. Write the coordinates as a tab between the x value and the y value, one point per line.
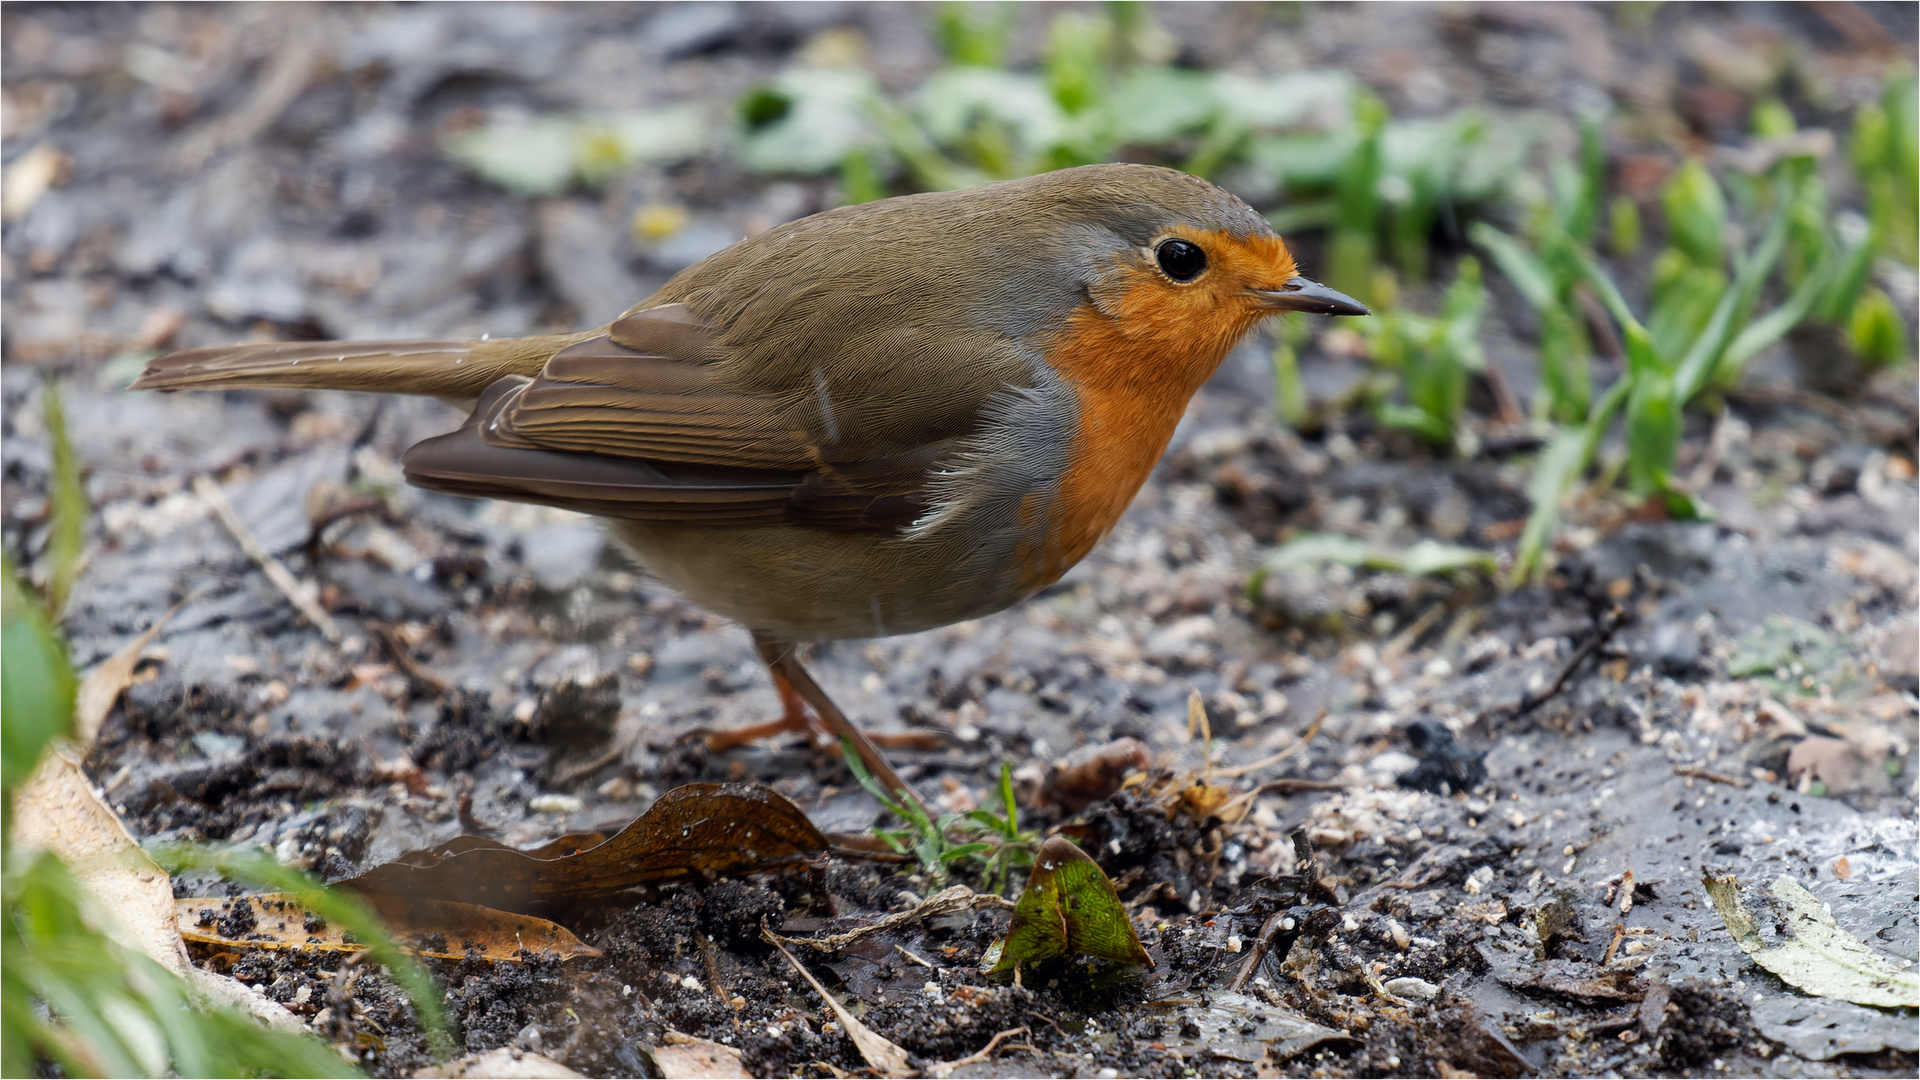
1409	987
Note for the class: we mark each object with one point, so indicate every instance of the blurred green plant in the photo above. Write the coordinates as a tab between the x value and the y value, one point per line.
1548	274
548	155
1424	558
1432	357
994	841
70	996
1704	347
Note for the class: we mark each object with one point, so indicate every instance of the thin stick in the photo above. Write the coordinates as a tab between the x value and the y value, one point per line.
1699	773
1610	625
1261	944
1300	744
780	658
282	578
1276	787
945	1068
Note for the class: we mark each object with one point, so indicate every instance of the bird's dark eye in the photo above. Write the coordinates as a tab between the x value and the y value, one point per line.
1181	260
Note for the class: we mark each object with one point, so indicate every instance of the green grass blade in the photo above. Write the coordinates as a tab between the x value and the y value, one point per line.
69	504
258	867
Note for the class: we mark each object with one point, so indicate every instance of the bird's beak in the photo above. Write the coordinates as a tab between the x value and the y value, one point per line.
1302	294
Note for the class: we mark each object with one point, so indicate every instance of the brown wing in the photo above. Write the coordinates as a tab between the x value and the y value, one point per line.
641	424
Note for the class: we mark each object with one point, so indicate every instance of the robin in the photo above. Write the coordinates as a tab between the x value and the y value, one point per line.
876	420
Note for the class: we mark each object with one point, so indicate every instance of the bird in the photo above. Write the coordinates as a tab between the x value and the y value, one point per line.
879	419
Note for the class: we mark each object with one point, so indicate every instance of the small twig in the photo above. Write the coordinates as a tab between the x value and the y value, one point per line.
713	971
1512	416
1259	952
1276	787
297	593
945	1068
470	821
915	957
403	659
1699	773
1717	445
1609	626
361	505
945	902
1297	746
1619	935
286	74
1403	642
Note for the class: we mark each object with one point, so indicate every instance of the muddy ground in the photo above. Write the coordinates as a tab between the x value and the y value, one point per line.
1739	697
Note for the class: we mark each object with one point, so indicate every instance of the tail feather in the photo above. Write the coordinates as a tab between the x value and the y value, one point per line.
445	369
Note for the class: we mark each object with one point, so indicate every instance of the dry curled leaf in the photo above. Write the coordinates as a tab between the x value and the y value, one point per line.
1092	773
278	921
697	831
700	1059
106	681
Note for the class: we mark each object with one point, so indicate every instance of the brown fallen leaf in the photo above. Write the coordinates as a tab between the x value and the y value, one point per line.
696	831
1837	763
130	898
700	1059
277	921
106	681
1092	773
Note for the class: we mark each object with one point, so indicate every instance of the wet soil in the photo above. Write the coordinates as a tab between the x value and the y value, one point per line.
1676	699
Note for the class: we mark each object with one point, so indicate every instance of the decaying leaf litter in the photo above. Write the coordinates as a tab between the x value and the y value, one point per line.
1745	708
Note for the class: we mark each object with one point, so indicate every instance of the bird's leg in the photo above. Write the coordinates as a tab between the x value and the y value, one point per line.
792	677
793	717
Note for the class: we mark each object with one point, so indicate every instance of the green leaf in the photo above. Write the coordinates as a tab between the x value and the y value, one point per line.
1876	331
69	504
1007	800
973	34
829	113
961	851
37	685
1653	430
547	155
1813	953
1775	324
75	998
1565	370
1078	47
1069	906
1566	457
1623	226
1530	277
1696	211
1684	308
1431	557
866	781
1424	557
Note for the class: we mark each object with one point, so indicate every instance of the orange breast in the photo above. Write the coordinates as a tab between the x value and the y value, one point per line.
1135	366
